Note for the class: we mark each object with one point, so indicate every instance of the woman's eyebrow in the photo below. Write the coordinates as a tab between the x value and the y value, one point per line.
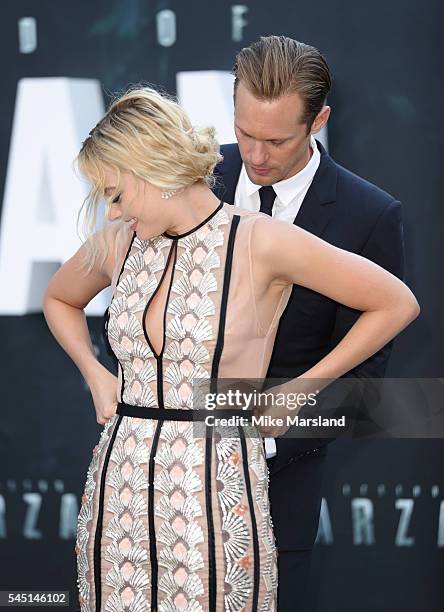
107	189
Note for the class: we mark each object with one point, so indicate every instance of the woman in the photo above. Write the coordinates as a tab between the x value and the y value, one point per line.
172	521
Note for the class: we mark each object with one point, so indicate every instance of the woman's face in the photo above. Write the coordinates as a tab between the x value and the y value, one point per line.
137	201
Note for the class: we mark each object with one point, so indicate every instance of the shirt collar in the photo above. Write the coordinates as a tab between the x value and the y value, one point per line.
288	189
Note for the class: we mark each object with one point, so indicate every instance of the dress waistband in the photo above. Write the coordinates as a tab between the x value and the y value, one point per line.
179	414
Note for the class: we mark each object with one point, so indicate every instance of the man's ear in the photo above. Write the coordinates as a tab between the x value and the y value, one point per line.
320	120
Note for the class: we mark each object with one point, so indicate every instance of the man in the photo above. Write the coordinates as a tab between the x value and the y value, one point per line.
278	167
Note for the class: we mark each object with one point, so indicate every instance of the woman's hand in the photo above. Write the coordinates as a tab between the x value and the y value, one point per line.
285	254
273	429
104	393
283	402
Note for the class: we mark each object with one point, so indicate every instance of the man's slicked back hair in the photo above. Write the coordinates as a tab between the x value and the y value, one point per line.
275	66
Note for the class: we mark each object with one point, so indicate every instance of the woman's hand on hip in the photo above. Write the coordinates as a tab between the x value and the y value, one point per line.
104	394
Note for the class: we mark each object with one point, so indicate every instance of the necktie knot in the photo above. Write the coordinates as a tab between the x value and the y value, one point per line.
267	196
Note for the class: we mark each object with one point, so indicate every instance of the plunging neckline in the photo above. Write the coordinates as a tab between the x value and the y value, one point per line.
171	259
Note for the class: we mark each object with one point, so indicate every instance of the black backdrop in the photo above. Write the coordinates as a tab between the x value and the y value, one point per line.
381	541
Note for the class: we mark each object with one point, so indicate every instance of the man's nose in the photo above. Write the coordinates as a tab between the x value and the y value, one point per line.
257	153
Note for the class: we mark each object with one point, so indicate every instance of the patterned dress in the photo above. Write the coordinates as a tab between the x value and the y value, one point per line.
171	521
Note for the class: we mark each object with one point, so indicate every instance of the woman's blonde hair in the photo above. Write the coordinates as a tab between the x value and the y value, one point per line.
147	133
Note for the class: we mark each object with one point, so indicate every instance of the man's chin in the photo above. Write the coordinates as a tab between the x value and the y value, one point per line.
261	179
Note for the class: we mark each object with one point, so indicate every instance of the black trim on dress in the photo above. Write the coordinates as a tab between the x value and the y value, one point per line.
176	236
106	320
151	524
224	301
173	249
209	430
212	585
99	524
256	571
178	414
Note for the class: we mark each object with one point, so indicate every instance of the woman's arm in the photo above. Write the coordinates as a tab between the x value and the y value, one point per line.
286	254
68	292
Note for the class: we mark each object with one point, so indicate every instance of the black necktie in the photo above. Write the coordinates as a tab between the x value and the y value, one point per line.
267	195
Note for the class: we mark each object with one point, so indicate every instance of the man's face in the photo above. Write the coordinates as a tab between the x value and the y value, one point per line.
273	142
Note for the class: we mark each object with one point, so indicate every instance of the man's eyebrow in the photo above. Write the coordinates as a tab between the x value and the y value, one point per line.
243	131
266	139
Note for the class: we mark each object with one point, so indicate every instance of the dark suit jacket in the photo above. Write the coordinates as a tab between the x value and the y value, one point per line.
353	214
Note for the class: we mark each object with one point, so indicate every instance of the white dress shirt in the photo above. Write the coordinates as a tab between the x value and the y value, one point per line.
290	194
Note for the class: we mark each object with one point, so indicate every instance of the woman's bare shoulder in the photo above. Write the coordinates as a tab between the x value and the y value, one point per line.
232	209
117	236
268	232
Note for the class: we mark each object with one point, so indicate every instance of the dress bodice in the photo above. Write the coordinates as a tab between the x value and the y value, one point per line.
173	518
211	327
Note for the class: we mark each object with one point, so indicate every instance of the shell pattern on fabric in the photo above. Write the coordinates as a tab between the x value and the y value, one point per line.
121	529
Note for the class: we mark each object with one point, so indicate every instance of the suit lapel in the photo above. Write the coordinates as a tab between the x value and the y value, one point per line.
227	173
319	203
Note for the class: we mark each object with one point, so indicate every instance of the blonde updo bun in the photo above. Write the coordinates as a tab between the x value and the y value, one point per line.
147	133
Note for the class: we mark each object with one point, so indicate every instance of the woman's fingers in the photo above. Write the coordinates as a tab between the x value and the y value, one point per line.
104	418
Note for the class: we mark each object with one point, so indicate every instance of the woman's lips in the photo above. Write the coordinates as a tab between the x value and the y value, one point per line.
133	226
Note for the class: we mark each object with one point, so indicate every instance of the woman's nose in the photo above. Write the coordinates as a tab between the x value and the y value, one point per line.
114	212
